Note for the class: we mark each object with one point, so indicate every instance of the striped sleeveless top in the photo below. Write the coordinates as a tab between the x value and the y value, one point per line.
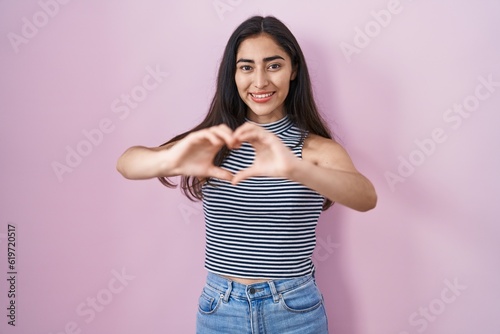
263	227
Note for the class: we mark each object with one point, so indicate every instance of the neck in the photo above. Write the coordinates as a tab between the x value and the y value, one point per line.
265	119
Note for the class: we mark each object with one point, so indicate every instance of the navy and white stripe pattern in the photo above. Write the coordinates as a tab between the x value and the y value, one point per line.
263	227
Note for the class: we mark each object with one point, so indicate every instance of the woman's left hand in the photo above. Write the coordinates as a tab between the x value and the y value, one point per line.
326	167
272	157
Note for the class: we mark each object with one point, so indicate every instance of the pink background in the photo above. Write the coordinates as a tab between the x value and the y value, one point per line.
387	271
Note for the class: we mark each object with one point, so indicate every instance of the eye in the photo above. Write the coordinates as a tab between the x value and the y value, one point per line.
245	68
274	66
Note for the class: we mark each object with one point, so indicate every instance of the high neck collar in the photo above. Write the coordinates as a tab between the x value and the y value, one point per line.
276	127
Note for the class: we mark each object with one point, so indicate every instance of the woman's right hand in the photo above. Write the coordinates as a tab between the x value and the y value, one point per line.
191	156
195	153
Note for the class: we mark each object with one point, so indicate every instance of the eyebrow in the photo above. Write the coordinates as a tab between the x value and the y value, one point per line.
243	60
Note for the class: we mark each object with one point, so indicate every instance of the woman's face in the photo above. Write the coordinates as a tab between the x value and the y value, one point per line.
263	74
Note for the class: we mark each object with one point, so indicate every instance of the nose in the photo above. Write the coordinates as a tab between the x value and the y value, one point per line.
260	79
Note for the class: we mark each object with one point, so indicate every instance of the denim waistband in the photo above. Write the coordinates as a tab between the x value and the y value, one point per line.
271	288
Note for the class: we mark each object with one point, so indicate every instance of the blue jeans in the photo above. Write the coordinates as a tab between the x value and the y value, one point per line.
285	306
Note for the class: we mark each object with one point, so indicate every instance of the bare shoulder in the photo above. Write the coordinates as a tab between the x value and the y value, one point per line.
326	152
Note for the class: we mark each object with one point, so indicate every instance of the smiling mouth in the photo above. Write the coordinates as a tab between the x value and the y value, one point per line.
261	96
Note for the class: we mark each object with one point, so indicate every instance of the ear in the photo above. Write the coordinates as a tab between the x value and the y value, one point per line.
294	73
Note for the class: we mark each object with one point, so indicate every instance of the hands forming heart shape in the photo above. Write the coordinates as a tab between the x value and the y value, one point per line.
194	155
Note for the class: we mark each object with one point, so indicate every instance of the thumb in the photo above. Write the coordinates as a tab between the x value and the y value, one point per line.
220	173
242	175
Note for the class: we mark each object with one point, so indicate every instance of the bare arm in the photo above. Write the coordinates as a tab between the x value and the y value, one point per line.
140	162
191	156
326	167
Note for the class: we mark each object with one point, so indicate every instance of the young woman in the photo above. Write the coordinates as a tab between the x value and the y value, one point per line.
265	165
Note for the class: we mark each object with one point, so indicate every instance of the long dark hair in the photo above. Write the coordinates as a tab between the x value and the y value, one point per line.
228	108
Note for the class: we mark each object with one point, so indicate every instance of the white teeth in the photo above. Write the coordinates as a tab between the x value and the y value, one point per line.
262	96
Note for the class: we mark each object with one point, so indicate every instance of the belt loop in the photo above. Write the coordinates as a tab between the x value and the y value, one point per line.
228	291
276	296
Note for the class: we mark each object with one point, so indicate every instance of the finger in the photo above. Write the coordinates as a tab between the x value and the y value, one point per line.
259	139
243	175
220	173
250	131
225	133
225	128
246	127
209	136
